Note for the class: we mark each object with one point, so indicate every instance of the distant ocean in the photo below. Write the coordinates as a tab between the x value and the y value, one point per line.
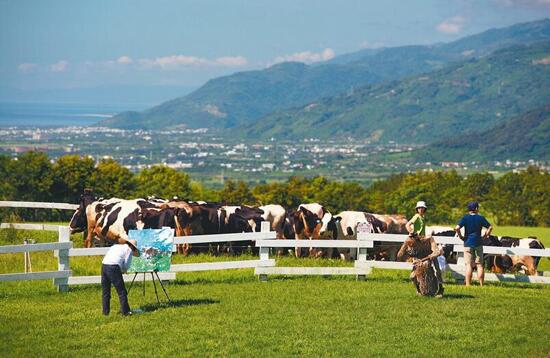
26	114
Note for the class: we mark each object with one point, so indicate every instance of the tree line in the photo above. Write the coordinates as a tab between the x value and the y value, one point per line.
514	198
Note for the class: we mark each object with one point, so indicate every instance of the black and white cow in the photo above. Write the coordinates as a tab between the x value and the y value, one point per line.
88	214
344	227
111	219
306	224
511	263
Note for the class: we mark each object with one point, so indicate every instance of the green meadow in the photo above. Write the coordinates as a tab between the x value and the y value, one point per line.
231	313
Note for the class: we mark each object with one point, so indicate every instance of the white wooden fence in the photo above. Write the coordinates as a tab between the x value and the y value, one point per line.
359	270
363	267
62	273
264	266
458	269
265	234
38	205
63	278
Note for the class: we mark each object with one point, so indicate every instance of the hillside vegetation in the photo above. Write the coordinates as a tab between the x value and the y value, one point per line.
524	137
472	95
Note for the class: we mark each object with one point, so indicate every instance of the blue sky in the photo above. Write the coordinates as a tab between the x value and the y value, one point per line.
75	44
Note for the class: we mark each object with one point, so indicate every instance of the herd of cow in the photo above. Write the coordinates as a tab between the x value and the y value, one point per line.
109	220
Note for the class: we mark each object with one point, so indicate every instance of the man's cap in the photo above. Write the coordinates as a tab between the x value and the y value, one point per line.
421	204
132	244
473	205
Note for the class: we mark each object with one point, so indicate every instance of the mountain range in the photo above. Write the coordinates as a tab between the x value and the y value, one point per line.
474	94
251	100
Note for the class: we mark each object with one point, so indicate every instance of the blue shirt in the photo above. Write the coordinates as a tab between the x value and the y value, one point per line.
472	224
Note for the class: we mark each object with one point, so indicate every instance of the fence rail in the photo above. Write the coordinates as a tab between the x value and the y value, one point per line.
38	205
25	226
61	273
457	270
363	267
63	250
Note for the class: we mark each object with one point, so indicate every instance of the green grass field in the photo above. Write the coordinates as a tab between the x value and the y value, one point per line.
232	313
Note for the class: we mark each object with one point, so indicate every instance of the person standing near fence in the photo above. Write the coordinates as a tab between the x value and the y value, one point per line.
116	261
473	249
417	224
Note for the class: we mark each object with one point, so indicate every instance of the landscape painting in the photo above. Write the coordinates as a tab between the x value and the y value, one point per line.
155	249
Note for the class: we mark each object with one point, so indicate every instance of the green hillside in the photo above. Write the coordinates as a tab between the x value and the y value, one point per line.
524	137
228	101
244	97
472	95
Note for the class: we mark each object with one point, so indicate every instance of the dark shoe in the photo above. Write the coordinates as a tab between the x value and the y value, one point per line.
129	313
439	293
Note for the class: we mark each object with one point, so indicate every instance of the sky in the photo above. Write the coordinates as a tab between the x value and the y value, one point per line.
59	44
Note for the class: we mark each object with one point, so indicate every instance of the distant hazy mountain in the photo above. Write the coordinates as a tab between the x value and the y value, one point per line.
524	137
140	95
472	95
243	98
226	102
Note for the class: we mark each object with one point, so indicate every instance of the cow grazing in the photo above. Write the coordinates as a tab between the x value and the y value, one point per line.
307	222
111	219
183	217
213	218
396	224
237	219
446	249
277	217
344	227
79	222
123	216
504	263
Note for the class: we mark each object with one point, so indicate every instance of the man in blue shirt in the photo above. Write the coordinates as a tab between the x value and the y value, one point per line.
473	249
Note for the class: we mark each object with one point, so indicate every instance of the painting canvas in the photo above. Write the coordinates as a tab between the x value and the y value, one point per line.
155	249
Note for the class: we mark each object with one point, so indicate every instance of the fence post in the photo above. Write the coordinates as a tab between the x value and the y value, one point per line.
363	230
63	259
264	251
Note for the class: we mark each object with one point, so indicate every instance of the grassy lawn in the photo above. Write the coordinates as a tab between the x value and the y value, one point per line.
232	313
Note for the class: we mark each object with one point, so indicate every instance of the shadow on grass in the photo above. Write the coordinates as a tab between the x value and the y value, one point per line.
211	279
151	307
456	296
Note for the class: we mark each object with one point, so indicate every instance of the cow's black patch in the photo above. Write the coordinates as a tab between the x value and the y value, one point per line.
508	241
111	218
378	225
144	204
130	222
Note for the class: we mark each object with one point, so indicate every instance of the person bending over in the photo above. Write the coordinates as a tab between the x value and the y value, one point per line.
116	261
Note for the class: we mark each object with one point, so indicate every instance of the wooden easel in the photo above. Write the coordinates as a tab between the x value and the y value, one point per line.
153	274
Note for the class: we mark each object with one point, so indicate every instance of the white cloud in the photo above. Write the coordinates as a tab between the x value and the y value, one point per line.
27	67
173	61
451	26
306	57
124	60
177	61
59	66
